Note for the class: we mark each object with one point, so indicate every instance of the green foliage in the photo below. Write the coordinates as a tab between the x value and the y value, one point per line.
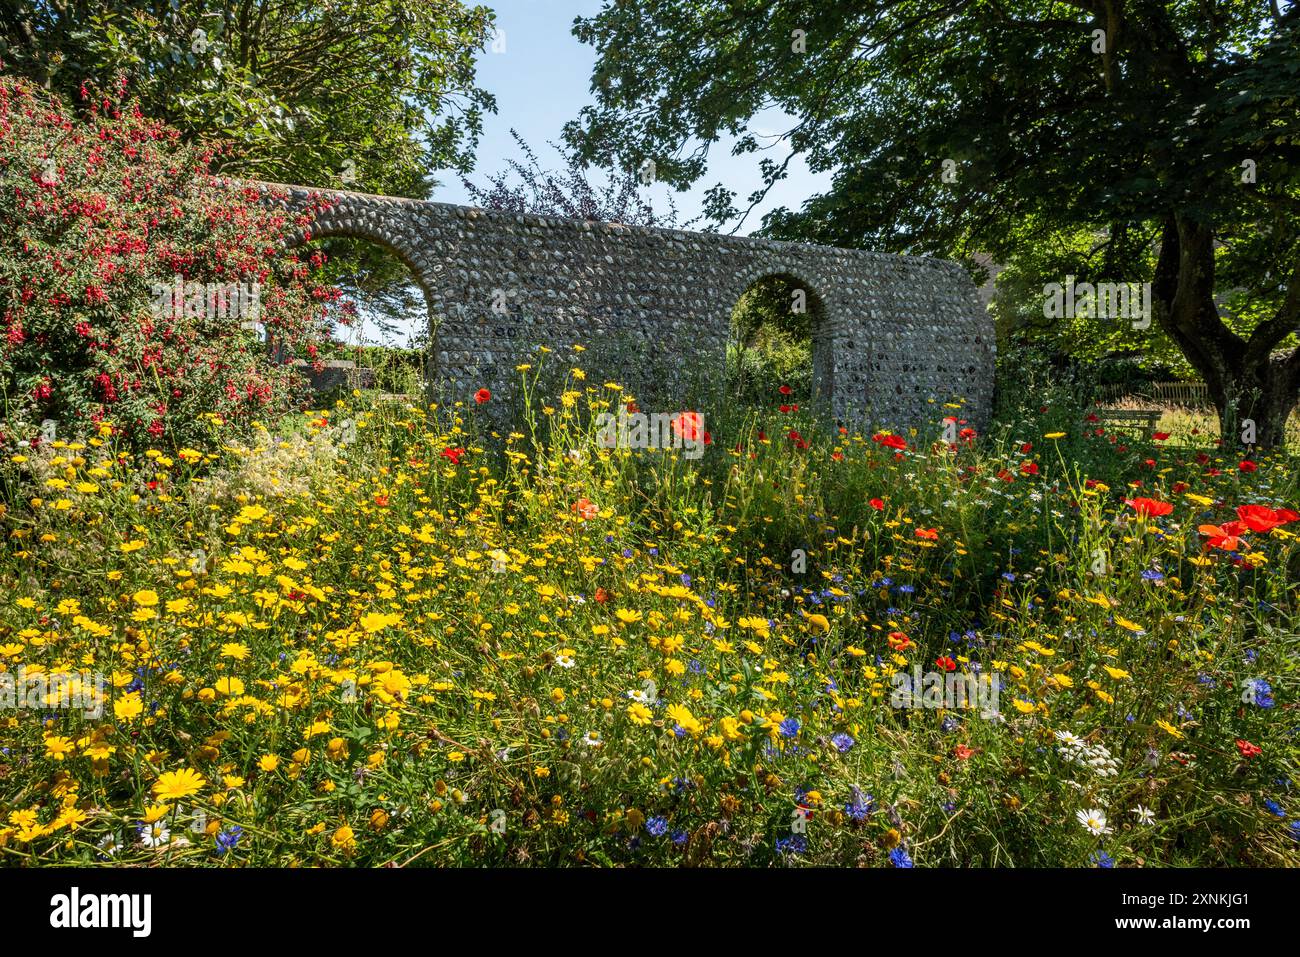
298	88
771	341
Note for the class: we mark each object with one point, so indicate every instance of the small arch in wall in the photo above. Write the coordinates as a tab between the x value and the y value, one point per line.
791	312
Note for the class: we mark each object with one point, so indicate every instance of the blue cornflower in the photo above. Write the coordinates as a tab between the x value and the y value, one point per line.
842	742
1261	693
1102	859
679	837
900	858
1274	808
794	844
860	805
790	727
657	826
228	838
1152	575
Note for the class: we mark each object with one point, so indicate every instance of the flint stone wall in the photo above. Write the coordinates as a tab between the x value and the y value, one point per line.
894	337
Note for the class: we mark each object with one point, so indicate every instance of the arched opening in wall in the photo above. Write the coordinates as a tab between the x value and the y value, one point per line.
780	340
381	319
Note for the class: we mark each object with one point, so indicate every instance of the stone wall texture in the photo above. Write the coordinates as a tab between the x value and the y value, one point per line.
895	338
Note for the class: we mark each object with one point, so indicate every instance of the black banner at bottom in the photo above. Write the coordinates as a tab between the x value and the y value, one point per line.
334	907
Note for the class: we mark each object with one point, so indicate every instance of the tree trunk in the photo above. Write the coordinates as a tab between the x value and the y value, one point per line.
1260	400
1252	391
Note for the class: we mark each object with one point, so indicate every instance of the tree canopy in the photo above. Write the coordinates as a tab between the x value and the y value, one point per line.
372	95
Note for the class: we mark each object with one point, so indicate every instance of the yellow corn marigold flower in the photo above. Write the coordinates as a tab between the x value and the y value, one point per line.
128	707
175	785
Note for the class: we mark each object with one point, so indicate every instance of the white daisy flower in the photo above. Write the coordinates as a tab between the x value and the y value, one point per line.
1094	820
109	845
1144	814
155	834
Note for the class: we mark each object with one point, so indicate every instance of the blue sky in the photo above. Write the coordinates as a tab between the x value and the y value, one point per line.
542	80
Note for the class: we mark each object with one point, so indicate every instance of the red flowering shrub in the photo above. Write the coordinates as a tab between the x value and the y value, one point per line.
133	285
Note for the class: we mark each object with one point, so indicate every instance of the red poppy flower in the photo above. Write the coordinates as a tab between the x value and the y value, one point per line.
785	390
1149	507
585	509
1159	436
961	752
602	596
381	501
877	504
899	641
688	426
927	533
1225	537
946	663
890	441
1247	749
1246	465
1029	468
482	395
1259	518
452	454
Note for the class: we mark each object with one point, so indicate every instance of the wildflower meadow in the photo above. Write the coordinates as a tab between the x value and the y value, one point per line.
381	633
